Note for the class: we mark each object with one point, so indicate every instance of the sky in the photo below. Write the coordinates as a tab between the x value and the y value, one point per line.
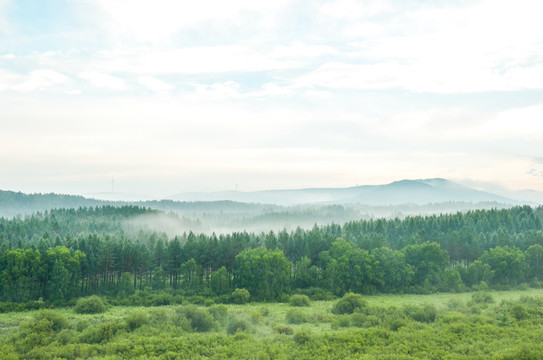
172	96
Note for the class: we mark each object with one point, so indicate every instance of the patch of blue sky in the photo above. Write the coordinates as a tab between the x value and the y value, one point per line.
37	26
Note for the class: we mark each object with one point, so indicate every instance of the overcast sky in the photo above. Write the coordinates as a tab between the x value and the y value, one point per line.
171	96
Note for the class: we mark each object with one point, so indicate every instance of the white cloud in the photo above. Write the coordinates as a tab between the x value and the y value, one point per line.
155	84
272	90
352	76
218	91
424	76
520	124
193	60
453	47
233	90
40	79
7	78
301	51
103	80
351	9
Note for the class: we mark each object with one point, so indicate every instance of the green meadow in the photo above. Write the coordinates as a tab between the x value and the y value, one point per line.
478	325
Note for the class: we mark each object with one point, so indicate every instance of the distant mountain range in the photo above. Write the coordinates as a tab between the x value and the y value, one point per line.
415	192
422	191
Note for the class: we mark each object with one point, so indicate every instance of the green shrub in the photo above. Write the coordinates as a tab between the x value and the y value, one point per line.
454	304
523	287
396	323
452	317
358	320
299	300
240	296
296	317
524	351
316	293
237	324
219	313
284	329
302	336
21	306
160	299
56	320
181	321
159	316
481	297
81	325
482	286
255	316
66	336
536	284
519	312
40	330
426	313
90	305
136	319
348	304
98	334
344	321
196	299
200	319
209	302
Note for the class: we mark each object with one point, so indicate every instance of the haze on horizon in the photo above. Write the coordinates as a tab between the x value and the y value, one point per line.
174	96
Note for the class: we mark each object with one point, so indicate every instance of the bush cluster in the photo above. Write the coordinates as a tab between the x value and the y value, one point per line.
296	317
349	303
299	300
200	319
90	305
240	296
136	319
237	324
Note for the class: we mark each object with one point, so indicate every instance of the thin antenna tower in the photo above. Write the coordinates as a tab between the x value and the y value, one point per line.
236	186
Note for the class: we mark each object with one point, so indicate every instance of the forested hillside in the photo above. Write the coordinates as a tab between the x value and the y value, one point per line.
230	216
62	254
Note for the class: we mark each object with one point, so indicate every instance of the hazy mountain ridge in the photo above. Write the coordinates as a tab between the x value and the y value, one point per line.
245	209
422	191
16	203
225	216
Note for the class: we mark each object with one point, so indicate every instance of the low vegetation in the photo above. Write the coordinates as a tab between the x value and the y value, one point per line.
299	300
454	326
90	305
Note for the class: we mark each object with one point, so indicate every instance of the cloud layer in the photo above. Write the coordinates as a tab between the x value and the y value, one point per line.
268	94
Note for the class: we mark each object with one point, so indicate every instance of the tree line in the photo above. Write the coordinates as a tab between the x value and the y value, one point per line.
62	254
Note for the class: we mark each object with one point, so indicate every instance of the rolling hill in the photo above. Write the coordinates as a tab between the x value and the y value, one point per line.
422	191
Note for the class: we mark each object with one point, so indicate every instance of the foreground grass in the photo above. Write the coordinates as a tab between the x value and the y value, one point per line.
504	325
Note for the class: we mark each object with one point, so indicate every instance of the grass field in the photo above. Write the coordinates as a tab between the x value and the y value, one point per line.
506	324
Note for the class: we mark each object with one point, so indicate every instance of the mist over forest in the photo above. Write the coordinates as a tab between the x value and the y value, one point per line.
278	209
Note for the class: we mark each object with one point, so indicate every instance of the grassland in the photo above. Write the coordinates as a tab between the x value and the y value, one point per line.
499	325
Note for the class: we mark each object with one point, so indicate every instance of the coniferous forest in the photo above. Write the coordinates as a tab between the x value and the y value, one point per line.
60	255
